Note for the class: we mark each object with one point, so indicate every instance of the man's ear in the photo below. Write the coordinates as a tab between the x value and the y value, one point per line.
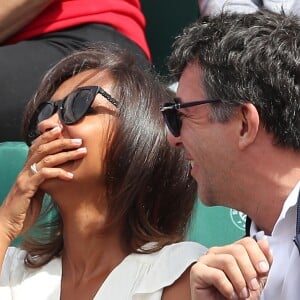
249	122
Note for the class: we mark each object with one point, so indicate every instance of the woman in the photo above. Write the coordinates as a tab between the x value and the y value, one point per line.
122	198
105	161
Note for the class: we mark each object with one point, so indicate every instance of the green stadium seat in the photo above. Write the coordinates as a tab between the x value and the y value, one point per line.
216	226
12	158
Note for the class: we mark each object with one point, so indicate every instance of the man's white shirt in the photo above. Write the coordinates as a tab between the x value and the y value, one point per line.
284	278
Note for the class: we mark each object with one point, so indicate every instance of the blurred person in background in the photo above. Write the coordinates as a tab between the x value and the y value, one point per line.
36	34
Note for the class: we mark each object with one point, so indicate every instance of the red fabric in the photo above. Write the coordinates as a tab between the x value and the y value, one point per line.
124	15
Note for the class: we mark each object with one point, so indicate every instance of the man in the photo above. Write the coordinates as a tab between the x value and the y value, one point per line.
243	142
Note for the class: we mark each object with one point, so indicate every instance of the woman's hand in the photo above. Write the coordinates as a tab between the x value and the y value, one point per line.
22	205
236	271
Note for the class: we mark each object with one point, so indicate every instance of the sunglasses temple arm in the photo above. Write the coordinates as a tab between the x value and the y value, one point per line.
173	106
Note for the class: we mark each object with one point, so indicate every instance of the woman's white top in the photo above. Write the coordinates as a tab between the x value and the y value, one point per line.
137	277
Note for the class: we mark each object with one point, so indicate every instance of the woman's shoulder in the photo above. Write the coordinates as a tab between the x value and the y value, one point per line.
165	266
188	248
183	251
16	278
13	266
144	276
14	257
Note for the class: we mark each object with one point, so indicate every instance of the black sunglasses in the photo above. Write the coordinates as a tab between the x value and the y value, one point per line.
70	109
171	113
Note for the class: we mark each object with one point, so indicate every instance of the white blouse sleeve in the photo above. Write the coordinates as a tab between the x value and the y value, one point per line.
168	265
12	270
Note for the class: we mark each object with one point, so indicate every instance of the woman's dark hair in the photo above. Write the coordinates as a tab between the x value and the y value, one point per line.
150	192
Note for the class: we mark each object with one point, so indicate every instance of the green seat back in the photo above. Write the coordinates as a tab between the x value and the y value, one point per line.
216	226
12	158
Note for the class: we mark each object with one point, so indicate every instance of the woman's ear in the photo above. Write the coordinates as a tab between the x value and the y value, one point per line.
249	120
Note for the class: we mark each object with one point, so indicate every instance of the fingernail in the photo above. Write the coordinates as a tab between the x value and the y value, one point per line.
70	175
234	296
56	128
263	267
82	150
76	141
254	285
244	293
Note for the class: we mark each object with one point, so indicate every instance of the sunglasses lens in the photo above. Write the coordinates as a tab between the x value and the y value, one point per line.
172	120
76	105
44	111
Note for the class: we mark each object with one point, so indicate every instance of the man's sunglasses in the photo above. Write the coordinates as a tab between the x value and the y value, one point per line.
171	113
70	109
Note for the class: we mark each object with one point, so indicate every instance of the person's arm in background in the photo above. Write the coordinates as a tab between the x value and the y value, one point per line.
15	14
211	7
